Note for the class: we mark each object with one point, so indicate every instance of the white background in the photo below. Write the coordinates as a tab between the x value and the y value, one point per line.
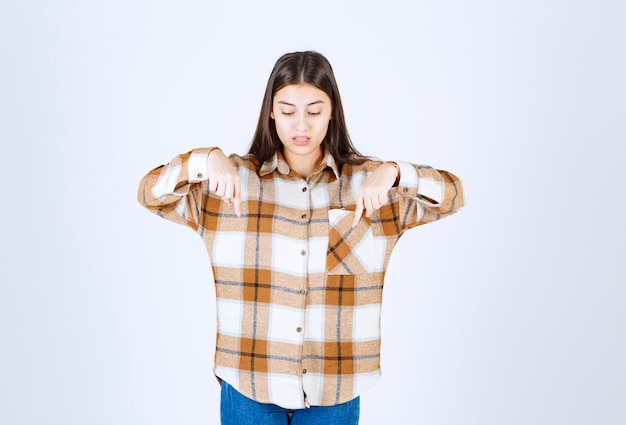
510	312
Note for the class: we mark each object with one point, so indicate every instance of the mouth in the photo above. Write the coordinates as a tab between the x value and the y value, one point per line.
301	140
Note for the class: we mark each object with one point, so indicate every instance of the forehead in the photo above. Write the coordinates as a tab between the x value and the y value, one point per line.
301	95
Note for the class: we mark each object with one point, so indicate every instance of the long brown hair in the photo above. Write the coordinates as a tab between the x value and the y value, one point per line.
297	68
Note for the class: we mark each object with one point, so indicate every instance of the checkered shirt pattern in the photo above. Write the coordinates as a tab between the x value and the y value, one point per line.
298	289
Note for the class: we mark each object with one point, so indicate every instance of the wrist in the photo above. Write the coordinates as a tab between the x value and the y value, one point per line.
397	167
214	152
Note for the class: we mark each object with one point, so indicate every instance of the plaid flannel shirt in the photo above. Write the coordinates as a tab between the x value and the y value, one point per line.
298	289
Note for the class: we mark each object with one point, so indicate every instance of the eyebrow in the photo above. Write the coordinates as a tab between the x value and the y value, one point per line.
282	102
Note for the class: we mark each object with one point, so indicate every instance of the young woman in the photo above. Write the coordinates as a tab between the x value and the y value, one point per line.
299	233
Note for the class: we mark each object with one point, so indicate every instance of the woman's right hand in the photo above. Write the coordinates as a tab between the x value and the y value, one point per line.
223	179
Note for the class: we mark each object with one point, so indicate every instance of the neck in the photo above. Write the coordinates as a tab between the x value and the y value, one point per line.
305	165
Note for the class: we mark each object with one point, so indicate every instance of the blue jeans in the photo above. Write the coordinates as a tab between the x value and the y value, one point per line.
236	409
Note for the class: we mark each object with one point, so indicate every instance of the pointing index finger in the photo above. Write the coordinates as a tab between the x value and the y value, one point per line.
358	212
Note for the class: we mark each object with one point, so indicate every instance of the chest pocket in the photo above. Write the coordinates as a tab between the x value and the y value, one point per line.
350	250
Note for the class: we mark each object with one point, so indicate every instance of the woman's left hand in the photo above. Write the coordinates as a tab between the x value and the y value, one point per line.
373	192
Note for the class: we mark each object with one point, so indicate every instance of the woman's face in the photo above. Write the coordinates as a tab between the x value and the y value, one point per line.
301	113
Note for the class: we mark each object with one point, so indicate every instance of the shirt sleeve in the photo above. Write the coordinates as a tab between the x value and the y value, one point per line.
175	191
427	194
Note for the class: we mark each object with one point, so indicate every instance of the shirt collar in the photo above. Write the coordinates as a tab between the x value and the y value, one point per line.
278	162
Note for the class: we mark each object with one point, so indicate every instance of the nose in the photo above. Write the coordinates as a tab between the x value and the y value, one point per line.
301	125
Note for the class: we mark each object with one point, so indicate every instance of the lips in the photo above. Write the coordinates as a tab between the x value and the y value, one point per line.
301	140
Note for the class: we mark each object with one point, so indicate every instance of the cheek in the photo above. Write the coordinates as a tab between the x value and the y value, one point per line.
324	127
280	126
281	131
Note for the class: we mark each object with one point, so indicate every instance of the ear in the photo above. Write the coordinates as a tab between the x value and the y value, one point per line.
272	115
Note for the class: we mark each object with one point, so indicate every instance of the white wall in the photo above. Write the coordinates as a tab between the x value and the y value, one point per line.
515	312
